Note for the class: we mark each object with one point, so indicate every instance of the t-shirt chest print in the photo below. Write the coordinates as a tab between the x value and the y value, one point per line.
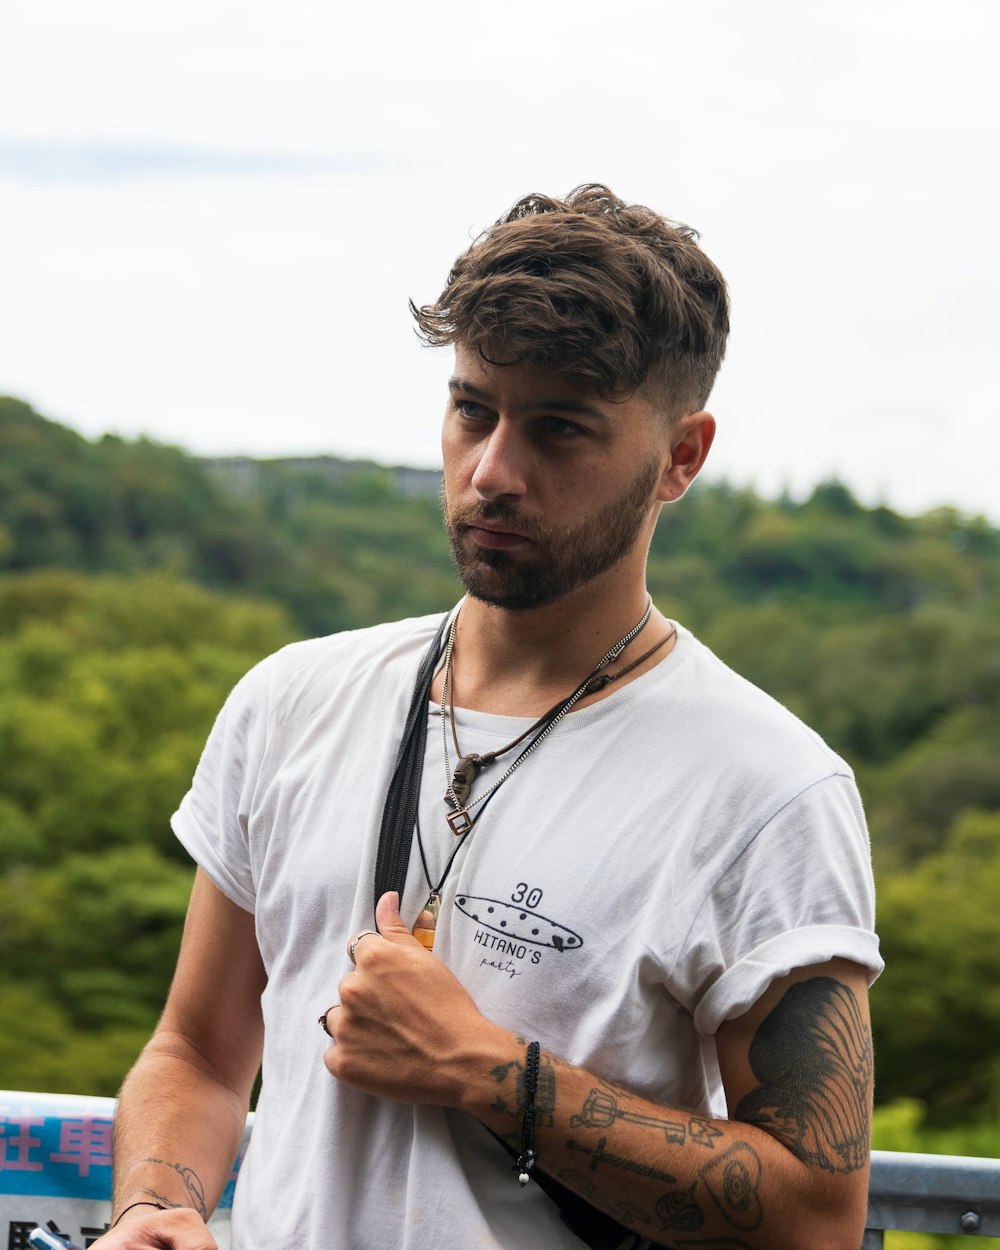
512	933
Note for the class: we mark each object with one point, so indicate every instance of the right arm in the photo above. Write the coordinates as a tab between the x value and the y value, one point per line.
183	1106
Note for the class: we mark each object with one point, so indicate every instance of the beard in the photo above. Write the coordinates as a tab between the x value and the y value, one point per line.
556	563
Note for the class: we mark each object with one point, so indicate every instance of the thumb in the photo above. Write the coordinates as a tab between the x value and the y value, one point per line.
388	920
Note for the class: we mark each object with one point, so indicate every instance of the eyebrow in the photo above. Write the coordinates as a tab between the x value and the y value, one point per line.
579	406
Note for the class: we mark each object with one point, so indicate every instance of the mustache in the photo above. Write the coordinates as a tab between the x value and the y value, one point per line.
495	511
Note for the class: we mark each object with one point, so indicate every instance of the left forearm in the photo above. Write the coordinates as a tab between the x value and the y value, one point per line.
666	1173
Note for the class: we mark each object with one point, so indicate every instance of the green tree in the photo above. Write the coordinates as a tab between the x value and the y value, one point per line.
936	1008
141	583
110	687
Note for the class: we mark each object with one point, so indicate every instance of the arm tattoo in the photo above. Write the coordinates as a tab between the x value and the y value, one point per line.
576	1180
602	1108
733	1180
601	1154
545	1091
813	1059
192	1183
679	1210
632	1215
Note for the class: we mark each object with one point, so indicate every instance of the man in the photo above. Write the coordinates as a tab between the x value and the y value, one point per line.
646	886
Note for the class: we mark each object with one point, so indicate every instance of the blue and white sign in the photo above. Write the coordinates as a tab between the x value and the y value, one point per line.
55	1169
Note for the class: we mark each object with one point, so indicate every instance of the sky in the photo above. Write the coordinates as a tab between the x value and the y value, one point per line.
213	214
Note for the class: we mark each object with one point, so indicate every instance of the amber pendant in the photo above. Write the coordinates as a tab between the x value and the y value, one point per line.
426	925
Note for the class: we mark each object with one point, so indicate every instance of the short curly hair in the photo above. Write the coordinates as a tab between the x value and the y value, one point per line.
610	295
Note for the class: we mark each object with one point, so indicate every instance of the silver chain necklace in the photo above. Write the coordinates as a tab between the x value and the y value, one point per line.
458	818
461	823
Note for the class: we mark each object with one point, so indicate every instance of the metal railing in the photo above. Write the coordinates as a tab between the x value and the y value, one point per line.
932	1194
55	1165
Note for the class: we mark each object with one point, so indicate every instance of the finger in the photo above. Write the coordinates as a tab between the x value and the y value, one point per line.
326	1019
390	923
352	945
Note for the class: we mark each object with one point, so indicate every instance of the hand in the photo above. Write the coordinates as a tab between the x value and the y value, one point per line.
405	1028
145	1228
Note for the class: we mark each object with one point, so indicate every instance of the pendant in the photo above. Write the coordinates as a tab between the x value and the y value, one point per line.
460	822
466	772
426	924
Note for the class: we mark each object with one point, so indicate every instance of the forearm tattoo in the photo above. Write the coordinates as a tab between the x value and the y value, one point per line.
730	1177
600	1154
516	1100
733	1181
813	1058
603	1107
679	1210
192	1184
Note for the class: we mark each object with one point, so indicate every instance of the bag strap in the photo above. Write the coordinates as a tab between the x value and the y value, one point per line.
399	813
392	863
592	1225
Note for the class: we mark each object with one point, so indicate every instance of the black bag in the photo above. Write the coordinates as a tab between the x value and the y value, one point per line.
592	1226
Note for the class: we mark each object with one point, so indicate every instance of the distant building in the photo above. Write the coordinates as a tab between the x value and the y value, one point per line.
242	474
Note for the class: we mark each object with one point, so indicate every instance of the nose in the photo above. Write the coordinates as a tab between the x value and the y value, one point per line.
503	462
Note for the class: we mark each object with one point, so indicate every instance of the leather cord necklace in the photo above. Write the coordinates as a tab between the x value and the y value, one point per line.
469	766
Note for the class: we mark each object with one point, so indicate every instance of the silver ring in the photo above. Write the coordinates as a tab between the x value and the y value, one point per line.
322	1019
355	940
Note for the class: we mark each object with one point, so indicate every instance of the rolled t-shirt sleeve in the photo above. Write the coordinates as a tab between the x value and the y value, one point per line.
213	820
799	893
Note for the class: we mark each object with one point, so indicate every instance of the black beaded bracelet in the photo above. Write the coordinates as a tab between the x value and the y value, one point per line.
526	1159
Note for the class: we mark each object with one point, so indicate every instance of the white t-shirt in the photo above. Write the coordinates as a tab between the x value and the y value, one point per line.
641	878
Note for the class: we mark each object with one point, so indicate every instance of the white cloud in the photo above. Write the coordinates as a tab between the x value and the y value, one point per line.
230	204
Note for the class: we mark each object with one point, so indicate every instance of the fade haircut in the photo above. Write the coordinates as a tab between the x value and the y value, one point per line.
610	295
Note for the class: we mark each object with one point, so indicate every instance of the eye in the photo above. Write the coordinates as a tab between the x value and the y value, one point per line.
469	409
560	427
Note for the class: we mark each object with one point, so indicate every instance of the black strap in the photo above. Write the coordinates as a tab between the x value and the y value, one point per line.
400	811
589	1223
392	862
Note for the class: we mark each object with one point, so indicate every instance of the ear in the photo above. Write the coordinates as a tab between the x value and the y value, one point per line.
690	440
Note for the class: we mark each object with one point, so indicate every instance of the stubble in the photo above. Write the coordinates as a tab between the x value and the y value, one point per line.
557	562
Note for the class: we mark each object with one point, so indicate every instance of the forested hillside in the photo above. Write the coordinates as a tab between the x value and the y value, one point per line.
136	586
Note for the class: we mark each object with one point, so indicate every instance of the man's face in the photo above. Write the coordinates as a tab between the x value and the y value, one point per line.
545	487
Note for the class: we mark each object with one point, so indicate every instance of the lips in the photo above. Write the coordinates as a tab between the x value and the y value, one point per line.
495	538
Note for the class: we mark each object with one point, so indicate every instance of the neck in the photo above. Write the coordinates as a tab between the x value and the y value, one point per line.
520	663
